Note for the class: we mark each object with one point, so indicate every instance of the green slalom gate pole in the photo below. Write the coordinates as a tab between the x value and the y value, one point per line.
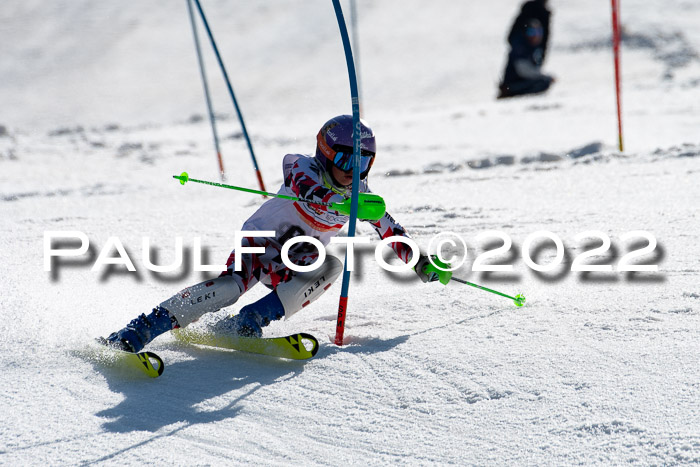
519	299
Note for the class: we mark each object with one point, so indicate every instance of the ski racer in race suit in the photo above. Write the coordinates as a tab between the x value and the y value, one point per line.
327	178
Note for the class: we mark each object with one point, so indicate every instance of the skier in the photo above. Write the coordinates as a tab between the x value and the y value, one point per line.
326	177
528	40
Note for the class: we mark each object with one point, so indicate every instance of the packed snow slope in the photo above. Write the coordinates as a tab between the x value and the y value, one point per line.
102	103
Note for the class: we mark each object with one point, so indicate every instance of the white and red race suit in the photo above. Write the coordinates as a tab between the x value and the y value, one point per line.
303	178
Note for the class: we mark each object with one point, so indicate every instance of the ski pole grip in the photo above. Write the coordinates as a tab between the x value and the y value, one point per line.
370	207
435	269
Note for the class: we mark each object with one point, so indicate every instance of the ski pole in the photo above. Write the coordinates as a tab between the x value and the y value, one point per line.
373	206
184	178
519	299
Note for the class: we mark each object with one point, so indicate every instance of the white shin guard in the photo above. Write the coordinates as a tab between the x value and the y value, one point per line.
305	287
192	303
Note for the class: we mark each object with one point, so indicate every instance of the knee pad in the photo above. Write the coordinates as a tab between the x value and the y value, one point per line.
190	304
305	287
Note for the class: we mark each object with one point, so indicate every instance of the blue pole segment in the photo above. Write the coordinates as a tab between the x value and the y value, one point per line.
203	74
230	89
357	143
356	46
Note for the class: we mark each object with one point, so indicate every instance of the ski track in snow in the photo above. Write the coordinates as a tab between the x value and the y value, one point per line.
597	368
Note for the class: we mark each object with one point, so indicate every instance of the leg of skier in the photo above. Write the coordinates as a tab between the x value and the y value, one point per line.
285	300
181	309
190	304
292	291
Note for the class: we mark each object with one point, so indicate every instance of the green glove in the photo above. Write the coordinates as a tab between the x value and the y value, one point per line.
429	273
370	207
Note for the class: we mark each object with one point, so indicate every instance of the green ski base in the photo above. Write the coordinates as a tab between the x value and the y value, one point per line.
292	347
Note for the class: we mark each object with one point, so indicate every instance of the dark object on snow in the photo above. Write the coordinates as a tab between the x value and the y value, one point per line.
528	46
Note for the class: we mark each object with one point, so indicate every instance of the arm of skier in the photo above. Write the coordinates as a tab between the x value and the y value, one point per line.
307	184
387	227
425	269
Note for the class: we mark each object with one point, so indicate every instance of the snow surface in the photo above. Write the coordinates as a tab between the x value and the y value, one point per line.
102	104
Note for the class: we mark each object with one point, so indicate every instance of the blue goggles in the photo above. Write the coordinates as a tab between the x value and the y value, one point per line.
343	158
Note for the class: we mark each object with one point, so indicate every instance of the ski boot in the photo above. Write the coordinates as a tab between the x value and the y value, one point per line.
142	330
253	317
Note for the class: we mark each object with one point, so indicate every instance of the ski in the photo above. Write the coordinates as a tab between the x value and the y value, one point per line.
292	347
148	362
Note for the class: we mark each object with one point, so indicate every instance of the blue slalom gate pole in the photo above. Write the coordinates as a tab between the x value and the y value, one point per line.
357	143
356	47
203	73
230	91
